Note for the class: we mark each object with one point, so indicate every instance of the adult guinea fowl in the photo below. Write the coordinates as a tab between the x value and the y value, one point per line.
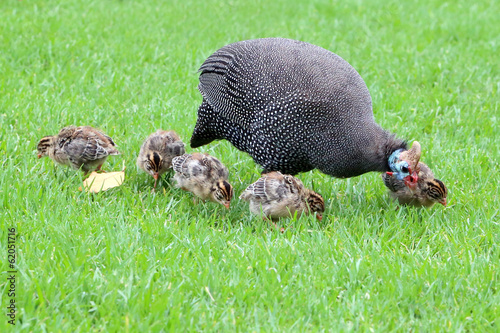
293	107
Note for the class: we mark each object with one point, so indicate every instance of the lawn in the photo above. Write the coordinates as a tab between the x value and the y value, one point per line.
129	260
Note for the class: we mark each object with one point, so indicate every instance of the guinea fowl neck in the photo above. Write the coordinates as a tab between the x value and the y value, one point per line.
386	144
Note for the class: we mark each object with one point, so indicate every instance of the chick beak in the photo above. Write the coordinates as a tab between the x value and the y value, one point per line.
443	202
155	176
319	217
226	204
39	155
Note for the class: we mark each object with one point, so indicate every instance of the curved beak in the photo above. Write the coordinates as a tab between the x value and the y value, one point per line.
226	204
39	155
443	202
319	217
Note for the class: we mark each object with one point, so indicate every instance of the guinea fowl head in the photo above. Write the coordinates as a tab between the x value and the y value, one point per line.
154	165
436	191
316	204
222	193
403	164
44	145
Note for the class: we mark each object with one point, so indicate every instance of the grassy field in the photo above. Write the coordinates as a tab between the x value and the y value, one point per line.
132	260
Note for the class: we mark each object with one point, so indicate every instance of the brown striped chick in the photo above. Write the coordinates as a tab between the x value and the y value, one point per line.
157	152
426	193
276	195
80	147
204	176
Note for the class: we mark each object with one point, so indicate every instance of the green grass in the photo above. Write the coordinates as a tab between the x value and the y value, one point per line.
131	260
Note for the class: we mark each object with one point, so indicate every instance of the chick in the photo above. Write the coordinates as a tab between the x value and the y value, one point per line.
80	147
157	152
425	193
276	195
204	176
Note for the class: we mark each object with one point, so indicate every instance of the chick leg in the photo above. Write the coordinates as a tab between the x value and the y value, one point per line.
273	224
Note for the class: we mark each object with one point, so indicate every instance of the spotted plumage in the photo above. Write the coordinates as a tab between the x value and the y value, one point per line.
204	176
80	147
157	152
427	191
293	107
276	195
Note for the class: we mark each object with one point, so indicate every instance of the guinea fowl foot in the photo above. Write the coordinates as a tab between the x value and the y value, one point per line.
274	226
98	169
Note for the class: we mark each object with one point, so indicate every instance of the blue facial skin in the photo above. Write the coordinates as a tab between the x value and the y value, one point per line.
400	168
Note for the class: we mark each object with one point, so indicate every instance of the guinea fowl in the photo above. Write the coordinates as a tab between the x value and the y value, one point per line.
157	152
78	147
276	195
204	176
425	193
294	107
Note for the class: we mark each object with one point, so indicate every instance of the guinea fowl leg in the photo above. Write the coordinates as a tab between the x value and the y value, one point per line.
273	224
99	168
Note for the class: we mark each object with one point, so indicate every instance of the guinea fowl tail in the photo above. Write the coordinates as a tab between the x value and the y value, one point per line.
203	132
176	148
199	137
113	151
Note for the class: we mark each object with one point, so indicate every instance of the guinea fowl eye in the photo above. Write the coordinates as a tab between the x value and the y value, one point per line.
404	169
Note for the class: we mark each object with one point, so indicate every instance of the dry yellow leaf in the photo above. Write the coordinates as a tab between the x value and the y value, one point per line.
97	182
